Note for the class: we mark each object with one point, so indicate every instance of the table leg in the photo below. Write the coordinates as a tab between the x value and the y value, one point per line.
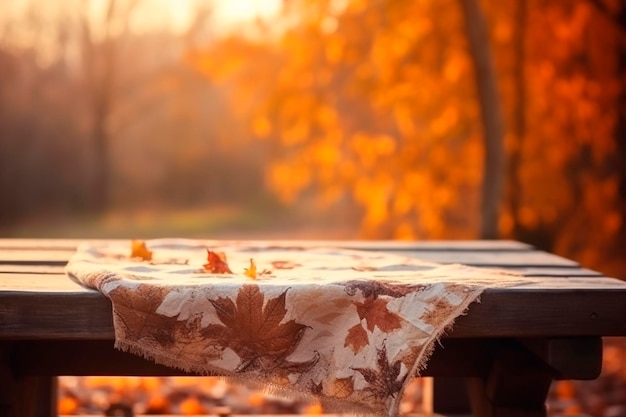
450	396
516	385
25	396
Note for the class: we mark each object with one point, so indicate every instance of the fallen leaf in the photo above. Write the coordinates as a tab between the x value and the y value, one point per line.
251	272
216	263
139	250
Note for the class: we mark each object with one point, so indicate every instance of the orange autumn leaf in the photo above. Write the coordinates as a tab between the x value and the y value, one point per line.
251	272
67	405
139	250
216	263
376	314
257	332
357	338
191	406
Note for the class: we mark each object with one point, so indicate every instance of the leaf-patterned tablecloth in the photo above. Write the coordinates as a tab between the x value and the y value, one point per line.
348	327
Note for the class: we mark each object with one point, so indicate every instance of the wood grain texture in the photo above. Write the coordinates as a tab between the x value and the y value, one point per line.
549	307
99	357
57	257
494	259
453	357
535	271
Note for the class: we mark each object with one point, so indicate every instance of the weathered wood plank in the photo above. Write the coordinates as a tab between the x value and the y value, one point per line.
31	269
539	271
35	257
475	258
571	357
547	307
549	271
494	259
98	357
37	283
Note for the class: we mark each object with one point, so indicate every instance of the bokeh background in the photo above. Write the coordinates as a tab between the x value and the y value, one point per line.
403	119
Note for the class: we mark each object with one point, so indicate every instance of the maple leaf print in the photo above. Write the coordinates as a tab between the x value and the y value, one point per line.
375	313
437	310
383	382
253	329
135	313
357	338
316	388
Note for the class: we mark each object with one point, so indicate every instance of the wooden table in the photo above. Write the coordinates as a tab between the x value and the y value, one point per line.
509	347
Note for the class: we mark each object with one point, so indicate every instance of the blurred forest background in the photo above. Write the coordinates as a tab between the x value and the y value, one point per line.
398	119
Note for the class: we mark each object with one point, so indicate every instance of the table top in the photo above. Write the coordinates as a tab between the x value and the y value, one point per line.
562	299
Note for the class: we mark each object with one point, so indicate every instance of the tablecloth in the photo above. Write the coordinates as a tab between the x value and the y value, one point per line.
347	327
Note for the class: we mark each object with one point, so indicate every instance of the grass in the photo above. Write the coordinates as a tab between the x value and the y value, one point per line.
147	224
215	222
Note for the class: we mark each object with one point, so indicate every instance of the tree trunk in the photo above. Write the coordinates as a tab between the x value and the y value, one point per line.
514	186
102	164
99	58
620	138
491	115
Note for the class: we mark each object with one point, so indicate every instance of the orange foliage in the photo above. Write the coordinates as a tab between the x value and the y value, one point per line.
314	408
67	405
140	251
374	104
192	406
566	183
216	263
251	272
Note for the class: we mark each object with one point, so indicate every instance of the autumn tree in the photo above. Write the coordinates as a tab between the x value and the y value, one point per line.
377	103
563	105
491	116
383	116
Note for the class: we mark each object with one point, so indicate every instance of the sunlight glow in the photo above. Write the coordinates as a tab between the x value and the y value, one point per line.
235	11
227	14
